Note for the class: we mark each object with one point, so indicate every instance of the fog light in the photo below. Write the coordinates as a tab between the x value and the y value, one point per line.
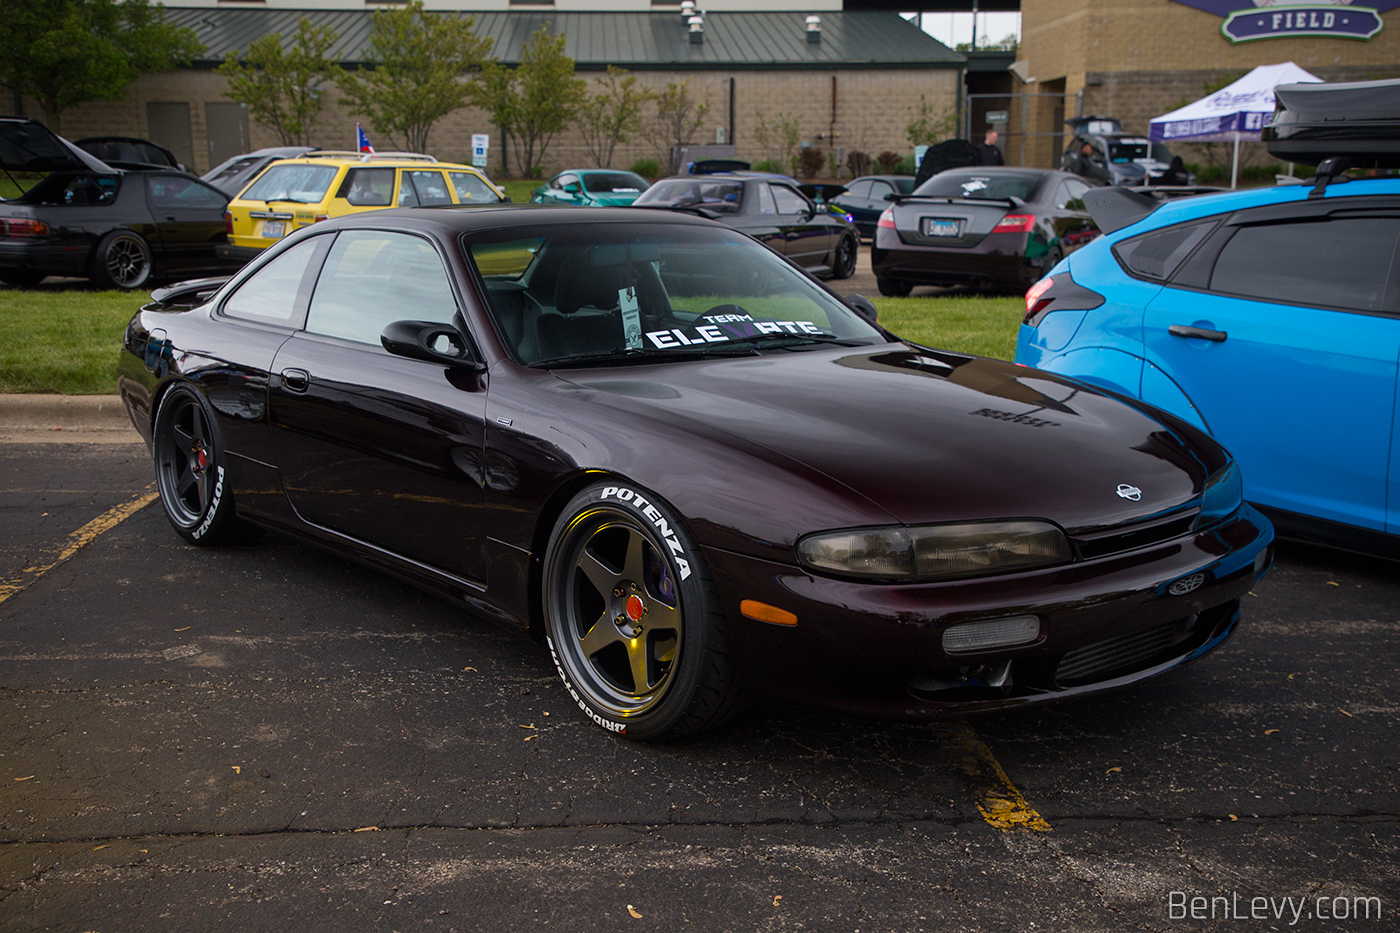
994	633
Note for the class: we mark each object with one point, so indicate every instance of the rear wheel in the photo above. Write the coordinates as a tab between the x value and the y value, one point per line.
190	472
122	260
844	264
632	617
893	288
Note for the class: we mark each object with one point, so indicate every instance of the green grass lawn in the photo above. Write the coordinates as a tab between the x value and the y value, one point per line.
68	341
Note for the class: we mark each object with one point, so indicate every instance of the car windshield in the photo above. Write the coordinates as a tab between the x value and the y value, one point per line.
1161	153
724	196
977	186
602	294
614	182
1128	150
306	184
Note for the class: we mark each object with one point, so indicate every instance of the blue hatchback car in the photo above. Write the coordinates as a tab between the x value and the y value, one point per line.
1271	318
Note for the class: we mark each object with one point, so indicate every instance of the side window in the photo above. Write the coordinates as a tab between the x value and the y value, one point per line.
270	294
567	179
859	189
372	278
766	204
431	187
1157	255
407	196
879	189
176	191
1076	189
89	189
471	189
1343	263
789	201
368	187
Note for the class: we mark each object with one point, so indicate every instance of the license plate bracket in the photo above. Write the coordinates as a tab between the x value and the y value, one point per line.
942	227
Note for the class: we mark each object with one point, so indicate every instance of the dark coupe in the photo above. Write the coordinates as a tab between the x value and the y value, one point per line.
991	228
65	212
696	473
770	210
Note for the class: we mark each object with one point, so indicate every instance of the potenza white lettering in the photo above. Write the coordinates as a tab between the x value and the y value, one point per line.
608	724
653	515
725	328
213	503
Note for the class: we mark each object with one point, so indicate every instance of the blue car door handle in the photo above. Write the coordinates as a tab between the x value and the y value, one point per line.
1183	330
296	380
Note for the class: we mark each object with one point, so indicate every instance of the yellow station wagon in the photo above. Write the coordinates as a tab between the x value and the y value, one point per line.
293	193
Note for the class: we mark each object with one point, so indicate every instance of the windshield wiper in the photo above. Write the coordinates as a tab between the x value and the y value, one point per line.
786	338
645	355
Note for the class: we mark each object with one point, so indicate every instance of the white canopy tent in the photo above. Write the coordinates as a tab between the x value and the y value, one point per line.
1238	111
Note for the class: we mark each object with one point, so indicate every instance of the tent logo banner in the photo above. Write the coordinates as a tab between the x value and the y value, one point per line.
1246	21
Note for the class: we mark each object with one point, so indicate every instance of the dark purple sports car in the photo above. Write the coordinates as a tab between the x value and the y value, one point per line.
694	472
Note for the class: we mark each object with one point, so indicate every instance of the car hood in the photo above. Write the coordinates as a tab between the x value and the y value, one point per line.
930	436
29	146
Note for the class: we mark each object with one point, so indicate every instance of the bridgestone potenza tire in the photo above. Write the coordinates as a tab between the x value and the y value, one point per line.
122	260
191	472
632	618
847	252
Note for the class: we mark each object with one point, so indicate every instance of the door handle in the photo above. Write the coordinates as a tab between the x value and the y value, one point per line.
1184	330
296	380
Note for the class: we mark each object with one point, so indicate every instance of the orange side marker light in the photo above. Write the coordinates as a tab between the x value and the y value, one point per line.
763	612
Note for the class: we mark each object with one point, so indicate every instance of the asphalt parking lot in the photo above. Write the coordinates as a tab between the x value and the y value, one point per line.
268	737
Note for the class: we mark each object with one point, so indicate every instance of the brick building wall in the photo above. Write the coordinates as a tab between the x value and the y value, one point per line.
1137	59
872	108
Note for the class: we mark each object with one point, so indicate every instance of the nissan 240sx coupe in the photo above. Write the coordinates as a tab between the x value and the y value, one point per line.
695	472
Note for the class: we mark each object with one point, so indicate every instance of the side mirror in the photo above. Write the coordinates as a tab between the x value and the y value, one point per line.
862	306
430	341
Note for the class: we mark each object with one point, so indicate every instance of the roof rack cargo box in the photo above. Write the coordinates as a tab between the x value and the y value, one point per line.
1359	120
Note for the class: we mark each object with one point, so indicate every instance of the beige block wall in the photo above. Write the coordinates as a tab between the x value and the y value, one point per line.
871	112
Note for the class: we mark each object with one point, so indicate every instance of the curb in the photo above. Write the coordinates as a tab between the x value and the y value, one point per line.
42	417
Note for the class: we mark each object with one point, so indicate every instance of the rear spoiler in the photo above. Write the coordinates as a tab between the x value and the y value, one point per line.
1011	202
1114	208
186	294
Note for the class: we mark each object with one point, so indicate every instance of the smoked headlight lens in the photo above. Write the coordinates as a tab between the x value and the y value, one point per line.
935	552
1223	495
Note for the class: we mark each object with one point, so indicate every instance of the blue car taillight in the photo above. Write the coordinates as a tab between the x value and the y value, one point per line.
1058	292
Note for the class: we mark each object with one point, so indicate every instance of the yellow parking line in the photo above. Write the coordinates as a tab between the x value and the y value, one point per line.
999	802
75	542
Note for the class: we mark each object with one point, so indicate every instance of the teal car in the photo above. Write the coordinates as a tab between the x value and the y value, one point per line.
591	187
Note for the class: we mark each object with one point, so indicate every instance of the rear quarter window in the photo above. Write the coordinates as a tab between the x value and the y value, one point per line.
1158	254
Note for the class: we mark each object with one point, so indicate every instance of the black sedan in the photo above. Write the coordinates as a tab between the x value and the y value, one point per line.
65	212
867	197
991	228
770	210
694	472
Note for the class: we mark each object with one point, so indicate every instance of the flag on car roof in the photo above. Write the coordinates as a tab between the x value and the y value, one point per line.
361	140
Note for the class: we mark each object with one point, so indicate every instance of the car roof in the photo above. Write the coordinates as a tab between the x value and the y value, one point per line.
376	161
1178	210
451	219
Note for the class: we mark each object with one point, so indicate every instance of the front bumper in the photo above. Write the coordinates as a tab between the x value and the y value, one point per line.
1105	623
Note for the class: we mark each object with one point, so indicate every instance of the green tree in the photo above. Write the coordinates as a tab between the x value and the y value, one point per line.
610	117
281	86
675	122
67	52
926	129
415	64
533	101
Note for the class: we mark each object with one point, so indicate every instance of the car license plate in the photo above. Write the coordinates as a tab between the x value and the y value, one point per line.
938	226
274	229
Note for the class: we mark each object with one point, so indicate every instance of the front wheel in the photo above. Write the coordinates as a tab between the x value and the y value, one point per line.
190	472
632	617
844	265
122	260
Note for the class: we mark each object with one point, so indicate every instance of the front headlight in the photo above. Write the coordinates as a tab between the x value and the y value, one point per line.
935	552
1223	495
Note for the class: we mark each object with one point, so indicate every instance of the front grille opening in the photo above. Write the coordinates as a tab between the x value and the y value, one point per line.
1122	653
1134	535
